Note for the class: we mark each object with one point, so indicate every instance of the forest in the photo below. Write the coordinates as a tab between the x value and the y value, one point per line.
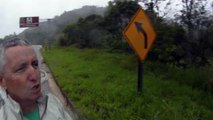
183	41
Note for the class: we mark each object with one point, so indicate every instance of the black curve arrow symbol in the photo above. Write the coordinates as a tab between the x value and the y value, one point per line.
140	29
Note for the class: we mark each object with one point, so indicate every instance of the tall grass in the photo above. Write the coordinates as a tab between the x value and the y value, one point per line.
198	78
102	86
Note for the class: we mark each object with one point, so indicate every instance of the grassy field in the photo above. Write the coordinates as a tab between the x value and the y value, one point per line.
103	86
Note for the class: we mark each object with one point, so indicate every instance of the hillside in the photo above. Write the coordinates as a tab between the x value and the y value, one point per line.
50	28
102	86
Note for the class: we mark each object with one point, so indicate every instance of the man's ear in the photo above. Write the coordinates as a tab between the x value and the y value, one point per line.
2	82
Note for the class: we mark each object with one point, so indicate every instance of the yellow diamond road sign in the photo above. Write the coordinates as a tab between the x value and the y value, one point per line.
140	34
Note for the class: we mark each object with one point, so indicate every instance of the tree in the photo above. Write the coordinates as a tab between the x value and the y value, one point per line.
90	31
154	8
195	20
116	18
85	33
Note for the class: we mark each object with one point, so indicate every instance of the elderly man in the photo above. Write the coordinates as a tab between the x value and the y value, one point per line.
20	86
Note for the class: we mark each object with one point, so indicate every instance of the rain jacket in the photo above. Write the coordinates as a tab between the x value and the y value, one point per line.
50	108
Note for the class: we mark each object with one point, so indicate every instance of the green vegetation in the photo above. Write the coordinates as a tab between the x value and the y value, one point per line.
183	41
102	85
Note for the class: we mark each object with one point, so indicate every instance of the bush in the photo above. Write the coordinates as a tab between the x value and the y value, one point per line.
198	78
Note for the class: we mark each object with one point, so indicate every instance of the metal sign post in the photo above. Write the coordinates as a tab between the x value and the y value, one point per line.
140	76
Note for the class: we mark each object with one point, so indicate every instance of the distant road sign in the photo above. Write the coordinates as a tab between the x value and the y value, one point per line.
29	22
140	34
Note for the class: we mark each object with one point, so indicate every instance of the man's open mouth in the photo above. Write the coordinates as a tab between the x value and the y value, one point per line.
36	86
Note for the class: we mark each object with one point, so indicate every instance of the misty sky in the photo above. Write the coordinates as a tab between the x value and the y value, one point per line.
12	10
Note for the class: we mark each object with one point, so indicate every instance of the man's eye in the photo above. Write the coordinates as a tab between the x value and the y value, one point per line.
20	69
35	64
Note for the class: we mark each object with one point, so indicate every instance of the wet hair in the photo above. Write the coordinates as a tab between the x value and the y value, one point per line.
7	43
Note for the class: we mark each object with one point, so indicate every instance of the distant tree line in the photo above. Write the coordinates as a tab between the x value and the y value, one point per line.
184	41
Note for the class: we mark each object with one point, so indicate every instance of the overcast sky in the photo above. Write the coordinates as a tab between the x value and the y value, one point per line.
12	10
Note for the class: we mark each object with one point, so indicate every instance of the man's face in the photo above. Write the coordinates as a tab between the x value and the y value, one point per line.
22	75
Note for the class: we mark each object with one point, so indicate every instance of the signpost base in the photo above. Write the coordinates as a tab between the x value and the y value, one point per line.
140	77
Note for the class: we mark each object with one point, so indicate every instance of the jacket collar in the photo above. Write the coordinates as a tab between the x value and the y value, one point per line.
9	102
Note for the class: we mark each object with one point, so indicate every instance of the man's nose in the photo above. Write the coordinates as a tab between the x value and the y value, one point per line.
33	73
